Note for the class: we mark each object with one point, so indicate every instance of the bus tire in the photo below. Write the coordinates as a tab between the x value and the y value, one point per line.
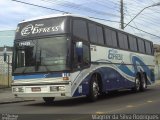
143	84
137	85
93	89
48	100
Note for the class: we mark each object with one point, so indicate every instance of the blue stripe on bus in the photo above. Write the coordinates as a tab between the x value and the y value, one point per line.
36	76
112	76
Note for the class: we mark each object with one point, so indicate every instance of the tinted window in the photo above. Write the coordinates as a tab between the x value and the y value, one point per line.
80	29
141	45
152	48
133	43
123	42
110	38
100	35
148	47
92	33
96	34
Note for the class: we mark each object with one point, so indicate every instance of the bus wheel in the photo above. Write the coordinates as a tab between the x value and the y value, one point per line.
94	89
143	84
137	84
48	100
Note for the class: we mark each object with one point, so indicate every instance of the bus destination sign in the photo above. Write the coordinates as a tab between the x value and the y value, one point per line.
41	27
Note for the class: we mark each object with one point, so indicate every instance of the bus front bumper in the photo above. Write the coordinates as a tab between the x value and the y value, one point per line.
58	90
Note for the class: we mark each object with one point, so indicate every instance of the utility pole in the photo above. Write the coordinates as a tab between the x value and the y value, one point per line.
122	15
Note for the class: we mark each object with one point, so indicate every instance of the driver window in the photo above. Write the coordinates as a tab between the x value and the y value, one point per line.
81	56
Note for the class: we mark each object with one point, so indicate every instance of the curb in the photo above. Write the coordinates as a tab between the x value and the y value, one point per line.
5	89
157	82
15	101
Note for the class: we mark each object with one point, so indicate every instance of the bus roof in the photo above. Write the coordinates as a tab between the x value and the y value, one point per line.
52	16
81	16
66	14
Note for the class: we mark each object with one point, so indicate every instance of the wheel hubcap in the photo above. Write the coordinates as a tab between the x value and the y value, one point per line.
137	84
95	89
144	84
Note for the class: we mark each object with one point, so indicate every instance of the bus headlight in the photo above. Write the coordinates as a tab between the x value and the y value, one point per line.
61	88
57	88
18	89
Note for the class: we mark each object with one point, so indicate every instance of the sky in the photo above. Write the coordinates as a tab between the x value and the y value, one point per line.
11	13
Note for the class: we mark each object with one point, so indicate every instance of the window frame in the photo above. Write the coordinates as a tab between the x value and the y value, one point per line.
140	47
88	21
146	47
111	32
124	34
87	34
135	44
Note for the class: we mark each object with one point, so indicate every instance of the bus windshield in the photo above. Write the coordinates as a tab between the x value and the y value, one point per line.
41	55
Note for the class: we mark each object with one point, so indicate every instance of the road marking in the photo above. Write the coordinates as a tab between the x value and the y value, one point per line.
149	101
100	113
130	106
114	110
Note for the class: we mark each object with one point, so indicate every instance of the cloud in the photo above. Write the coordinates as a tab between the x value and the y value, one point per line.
13	13
148	20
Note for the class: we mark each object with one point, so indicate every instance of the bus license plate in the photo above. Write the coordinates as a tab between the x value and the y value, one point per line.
36	89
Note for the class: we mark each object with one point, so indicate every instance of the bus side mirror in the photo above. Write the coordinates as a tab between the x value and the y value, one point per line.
79	51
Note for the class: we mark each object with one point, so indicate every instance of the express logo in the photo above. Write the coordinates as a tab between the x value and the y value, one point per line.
46	75
27	30
114	55
39	28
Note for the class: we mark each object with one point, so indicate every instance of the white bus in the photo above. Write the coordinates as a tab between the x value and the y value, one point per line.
70	56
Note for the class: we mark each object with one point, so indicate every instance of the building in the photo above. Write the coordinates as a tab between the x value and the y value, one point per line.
157	60
6	39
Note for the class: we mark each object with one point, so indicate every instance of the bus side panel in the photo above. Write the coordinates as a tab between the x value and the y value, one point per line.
111	80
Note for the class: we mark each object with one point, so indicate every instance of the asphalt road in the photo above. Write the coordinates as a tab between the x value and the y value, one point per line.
119	102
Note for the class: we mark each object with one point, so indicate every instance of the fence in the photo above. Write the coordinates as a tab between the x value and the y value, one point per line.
157	72
5	71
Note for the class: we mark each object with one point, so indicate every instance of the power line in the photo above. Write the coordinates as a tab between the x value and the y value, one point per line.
133	21
147	17
78	7
39	6
128	25
89	16
144	18
102	4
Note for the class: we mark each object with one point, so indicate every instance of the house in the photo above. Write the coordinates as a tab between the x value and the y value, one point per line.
157	60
